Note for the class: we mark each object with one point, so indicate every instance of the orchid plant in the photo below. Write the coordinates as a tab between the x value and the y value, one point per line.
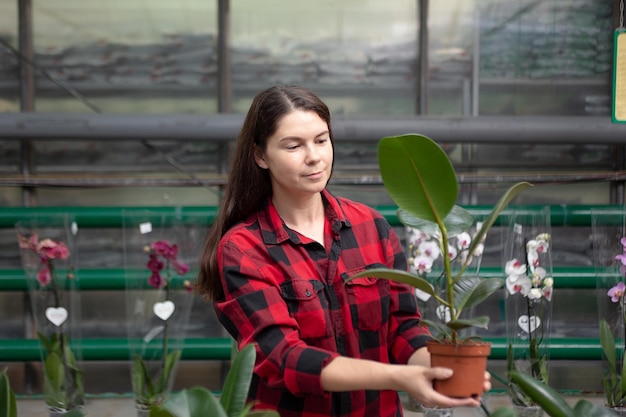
425	255
8	405
63	379
615	378
233	401
419	177
163	265
530	279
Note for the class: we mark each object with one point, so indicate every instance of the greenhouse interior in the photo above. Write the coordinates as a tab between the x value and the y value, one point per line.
118	121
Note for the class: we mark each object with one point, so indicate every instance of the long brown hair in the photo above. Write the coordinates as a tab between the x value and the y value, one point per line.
248	185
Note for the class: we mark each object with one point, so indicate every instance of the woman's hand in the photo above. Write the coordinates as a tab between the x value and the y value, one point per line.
418	383
349	374
429	397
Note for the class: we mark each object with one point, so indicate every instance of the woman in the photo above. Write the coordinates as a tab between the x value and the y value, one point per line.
276	264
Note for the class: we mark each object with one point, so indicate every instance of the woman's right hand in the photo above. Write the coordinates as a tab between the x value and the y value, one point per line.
417	381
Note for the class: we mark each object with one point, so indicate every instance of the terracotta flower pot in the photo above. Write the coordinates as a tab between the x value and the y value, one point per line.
469	363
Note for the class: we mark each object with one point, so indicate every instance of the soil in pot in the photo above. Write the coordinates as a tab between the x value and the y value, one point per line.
468	360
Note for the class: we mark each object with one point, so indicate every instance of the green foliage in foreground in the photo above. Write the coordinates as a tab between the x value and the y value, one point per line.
200	402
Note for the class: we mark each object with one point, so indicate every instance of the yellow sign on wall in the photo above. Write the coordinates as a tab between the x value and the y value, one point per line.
619	77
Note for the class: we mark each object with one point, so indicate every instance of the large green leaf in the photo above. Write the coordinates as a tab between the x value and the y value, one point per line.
194	402
143	386
8	406
480	321
399	276
237	384
622	393
546	397
418	175
470	291
55	372
608	345
54	390
168	367
437	329
584	408
459	220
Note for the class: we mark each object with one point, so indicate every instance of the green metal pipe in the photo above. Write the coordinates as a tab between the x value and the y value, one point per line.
115	278
219	348
560	215
116	349
103	217
558	348
89	279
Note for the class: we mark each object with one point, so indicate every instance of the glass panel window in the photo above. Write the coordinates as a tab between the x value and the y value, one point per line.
359	55
9	64
126	56
545	57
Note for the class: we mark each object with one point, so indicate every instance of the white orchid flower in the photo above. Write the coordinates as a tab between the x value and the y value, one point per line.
478	251
452	252
533	258
429	249
515	267
463	240
422	264
535	294
547	292
538	275
542	246
518	284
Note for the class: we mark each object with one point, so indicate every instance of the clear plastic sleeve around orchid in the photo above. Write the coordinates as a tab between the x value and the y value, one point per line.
527	263
608	239
160	256
49	258
425	259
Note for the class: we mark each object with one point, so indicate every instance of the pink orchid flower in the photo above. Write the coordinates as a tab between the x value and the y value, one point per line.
47	249
617	292
43	276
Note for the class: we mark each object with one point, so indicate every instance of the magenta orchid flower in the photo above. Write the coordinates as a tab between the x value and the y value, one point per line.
617	292
169	253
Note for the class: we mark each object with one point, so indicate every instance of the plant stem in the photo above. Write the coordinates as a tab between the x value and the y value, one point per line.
55	289
165	327
448	277
69	386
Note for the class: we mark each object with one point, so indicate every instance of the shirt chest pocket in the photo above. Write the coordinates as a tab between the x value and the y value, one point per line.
308	306
369	301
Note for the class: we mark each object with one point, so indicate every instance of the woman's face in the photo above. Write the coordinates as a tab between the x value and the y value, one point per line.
299	155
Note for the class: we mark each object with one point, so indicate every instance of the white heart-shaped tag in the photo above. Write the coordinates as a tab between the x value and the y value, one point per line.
443	312
528	324
57	316
164	310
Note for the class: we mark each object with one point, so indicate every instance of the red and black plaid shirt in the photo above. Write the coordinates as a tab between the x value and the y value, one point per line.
289	295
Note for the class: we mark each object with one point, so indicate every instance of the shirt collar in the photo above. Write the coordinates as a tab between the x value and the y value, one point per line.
275	232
